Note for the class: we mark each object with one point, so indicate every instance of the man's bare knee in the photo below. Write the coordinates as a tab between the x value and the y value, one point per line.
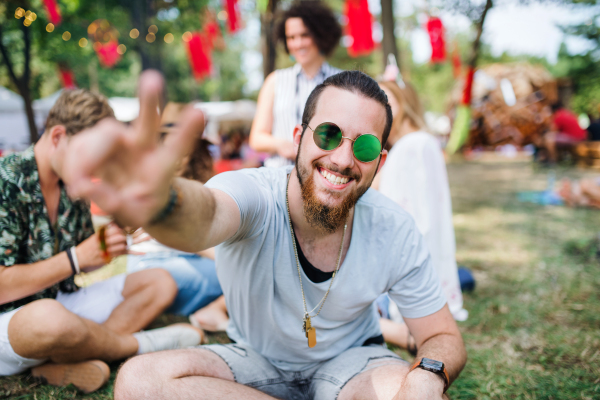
45	326
144	375
158	281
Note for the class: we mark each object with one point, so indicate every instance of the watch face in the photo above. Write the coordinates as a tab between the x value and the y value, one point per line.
432	365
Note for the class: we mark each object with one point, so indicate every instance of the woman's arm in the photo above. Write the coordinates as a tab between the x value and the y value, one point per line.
261	137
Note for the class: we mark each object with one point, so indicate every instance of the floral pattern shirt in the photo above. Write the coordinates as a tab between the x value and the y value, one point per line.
26	234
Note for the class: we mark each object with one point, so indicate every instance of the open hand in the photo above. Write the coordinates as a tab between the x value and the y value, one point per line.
133	168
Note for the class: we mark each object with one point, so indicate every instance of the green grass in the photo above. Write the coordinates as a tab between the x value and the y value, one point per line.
534	318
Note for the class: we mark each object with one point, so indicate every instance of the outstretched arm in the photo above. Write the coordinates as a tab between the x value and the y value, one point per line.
136	173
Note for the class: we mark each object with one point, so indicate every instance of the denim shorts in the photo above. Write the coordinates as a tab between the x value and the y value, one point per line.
321	382
195	276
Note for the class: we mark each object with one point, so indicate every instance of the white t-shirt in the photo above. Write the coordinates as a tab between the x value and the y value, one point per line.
257	271
414	176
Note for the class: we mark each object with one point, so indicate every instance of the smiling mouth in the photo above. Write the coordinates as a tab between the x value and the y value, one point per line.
334	179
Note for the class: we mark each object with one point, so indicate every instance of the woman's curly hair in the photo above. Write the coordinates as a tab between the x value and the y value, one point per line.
318	19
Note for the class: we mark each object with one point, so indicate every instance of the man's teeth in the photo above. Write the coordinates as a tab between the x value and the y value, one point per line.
334	180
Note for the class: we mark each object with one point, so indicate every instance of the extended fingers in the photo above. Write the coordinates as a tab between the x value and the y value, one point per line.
149	92
180	141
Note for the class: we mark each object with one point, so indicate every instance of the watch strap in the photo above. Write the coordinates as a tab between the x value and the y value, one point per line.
443	373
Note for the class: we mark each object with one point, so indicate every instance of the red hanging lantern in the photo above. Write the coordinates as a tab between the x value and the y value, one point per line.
360	27
105	39
468	86
108	54
436	37
199	55
53	12
67	78
233	22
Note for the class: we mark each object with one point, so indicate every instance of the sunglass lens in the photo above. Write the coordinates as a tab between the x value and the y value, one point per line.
367	148
327	136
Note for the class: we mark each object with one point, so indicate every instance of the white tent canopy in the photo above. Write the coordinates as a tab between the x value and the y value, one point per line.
14	132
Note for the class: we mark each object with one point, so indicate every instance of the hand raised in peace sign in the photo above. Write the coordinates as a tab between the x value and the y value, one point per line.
135	169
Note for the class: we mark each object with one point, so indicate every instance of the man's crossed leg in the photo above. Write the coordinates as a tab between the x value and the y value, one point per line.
97	322
238	372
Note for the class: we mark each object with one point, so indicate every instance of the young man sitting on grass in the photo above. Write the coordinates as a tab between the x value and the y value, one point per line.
302	254
46	323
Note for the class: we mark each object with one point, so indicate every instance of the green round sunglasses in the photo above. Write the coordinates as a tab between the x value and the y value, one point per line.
328	136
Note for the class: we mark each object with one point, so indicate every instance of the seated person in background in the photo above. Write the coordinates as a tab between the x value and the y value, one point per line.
312	334
594	127
415	177
194	273
582	193
565	132
45	239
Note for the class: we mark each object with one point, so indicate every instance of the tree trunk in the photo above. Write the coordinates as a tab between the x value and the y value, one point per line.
389	36
26	94
476	43
267	28
22	83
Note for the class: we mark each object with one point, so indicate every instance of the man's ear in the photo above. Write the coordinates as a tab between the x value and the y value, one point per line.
384	154
56	133
297	135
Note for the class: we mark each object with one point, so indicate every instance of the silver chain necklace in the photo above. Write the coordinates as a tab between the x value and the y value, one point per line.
307	328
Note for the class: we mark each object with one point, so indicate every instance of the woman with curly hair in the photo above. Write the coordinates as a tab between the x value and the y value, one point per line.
309	32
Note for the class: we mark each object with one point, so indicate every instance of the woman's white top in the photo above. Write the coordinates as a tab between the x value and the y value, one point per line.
415	177
292	88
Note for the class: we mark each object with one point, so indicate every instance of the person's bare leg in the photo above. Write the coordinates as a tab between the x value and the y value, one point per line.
381	383
396	334
182	374
46	329
591	190
146	295
213	317
550	145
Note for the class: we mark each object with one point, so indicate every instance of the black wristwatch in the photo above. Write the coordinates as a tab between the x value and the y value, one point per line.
437	367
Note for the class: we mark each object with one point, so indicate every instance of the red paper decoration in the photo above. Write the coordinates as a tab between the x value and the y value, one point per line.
232	15
53	12
360	27
67	78
105	39
468	86
199	55
107	53
436	37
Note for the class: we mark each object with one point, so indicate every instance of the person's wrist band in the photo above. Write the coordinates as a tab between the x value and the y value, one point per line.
70	257
168	209
442	374
75	259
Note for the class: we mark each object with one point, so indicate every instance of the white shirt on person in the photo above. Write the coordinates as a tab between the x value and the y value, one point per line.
414	176
259	276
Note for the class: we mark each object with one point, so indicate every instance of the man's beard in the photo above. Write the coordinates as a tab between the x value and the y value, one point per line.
321	216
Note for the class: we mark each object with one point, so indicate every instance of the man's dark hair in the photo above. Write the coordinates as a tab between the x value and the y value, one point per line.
318	19
355	82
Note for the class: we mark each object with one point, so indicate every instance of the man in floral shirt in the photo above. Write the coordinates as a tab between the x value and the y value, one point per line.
45	239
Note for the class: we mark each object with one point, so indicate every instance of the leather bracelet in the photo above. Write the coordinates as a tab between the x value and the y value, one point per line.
70	256
168	209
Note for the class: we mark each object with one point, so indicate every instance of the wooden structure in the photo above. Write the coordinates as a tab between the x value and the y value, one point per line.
496	121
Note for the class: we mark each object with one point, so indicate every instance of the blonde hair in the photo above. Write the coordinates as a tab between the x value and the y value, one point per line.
77	110
410	105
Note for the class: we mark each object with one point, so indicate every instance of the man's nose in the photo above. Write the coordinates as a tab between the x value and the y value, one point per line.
343	157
